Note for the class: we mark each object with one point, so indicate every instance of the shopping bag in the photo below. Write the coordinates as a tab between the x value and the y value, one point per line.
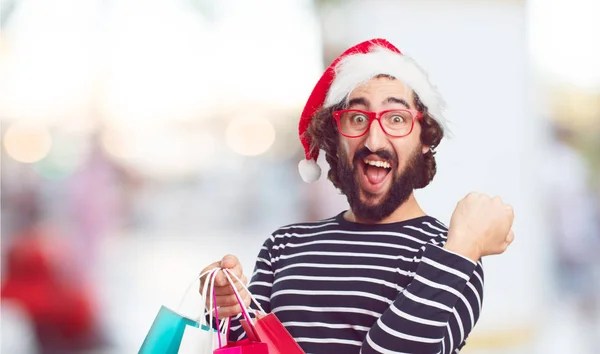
196	340
173	333
245	346
270	330
267	328
166	332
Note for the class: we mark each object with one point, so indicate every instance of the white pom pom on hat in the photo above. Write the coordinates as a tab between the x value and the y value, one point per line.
309	170
352	68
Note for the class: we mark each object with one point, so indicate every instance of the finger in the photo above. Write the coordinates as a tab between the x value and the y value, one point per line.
510	210
498	199
221	280
224	290
239	286
208	268
232	263
472	195
510	237
226	300
227	290
231	300
237	270
229	311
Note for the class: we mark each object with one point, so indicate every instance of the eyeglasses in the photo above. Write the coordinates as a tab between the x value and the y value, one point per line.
397	123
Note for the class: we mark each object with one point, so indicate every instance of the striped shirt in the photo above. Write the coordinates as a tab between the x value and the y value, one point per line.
344	287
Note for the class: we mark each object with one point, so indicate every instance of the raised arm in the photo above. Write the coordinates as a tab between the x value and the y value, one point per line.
438	309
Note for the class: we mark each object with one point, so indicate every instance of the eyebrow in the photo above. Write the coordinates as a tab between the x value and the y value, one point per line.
364	102
358	101
397	100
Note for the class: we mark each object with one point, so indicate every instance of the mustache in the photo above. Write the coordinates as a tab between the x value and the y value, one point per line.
363	152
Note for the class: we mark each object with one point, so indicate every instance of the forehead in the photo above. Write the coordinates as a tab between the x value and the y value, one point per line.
382	87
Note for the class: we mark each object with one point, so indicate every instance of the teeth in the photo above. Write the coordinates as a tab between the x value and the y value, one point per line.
383	164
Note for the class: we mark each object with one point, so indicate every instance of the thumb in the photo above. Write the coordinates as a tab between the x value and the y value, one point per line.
229	261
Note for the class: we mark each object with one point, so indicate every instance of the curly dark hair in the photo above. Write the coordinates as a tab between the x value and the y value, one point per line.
323	134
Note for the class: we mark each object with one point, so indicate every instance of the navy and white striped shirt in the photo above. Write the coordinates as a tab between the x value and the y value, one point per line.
344	287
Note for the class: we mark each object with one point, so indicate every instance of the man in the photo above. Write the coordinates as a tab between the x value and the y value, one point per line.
383	276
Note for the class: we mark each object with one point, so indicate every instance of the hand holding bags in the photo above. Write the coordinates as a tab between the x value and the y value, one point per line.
173	333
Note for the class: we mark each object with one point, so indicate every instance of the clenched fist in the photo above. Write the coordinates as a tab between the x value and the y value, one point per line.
480	226
226	300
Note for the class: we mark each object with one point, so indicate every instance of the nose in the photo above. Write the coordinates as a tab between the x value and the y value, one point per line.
376	137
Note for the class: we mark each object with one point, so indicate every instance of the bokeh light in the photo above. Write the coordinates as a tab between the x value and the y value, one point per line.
118	143
67	154
27	142
250	135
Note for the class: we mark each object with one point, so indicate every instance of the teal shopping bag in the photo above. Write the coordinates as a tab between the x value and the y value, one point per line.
173	333
166	332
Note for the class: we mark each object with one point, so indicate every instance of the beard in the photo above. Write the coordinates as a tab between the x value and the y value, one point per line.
402	186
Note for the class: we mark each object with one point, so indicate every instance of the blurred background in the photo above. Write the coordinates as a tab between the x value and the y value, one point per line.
143	140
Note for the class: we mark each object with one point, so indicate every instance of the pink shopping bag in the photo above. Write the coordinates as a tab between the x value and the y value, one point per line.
267	328
245	346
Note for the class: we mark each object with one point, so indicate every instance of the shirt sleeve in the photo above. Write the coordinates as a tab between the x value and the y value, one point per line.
437	310
260	287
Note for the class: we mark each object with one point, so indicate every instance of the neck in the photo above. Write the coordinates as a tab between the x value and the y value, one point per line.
410	209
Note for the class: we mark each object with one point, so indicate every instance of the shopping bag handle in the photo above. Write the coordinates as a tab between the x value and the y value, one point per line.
224	324
227	273
209	282
205	296
210	271
239	300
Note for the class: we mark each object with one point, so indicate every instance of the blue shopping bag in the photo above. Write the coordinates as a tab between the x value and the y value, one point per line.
173	333
166	333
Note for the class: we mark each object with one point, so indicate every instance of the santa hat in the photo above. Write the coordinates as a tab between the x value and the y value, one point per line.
356	66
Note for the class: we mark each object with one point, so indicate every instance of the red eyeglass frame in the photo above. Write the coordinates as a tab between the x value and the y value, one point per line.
416	115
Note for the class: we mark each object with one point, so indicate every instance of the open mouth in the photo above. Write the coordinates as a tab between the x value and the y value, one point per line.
376	172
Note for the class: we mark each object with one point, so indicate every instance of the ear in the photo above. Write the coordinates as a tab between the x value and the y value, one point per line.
426	148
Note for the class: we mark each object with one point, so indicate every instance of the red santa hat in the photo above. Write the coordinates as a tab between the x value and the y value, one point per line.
356	66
